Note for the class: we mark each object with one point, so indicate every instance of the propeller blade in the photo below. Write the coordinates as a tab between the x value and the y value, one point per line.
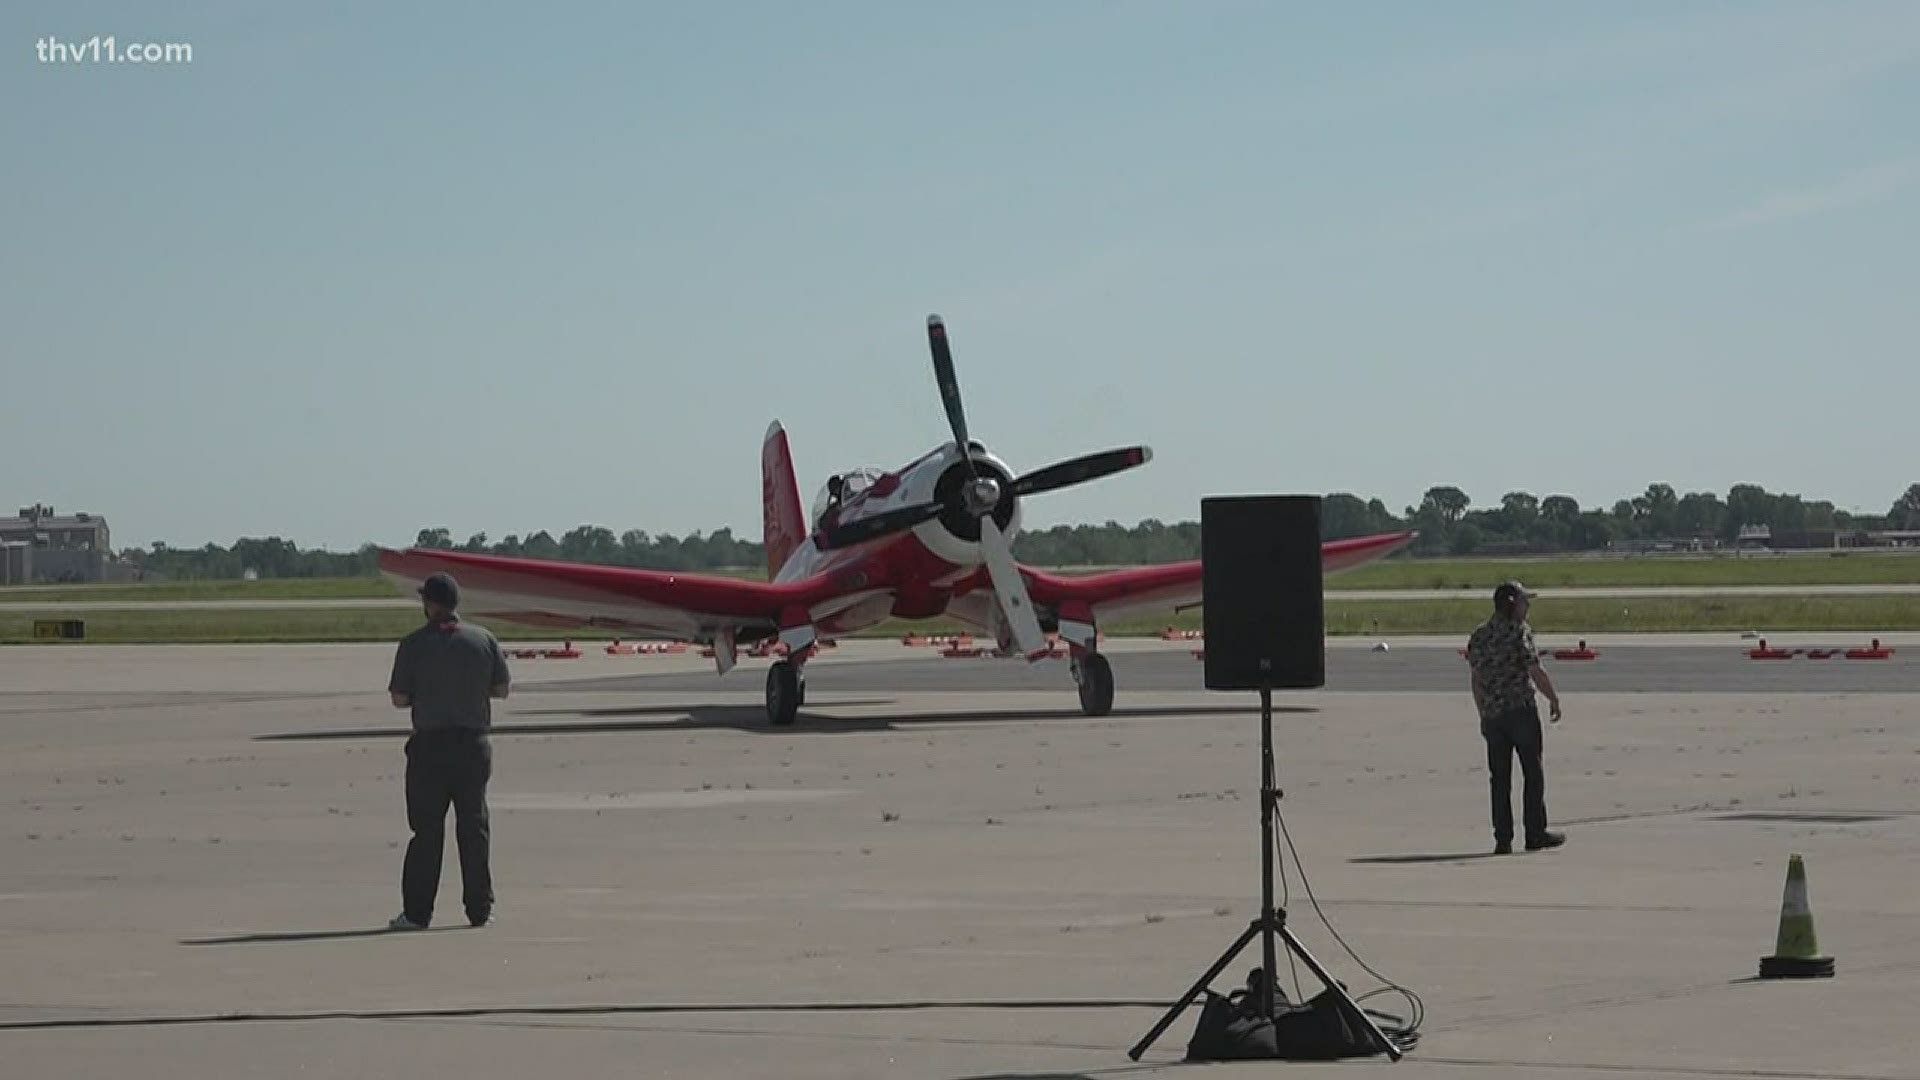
949	386
1010	589
1081	469
860	530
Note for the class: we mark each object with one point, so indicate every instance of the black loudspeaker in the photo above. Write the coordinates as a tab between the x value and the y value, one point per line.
1261	574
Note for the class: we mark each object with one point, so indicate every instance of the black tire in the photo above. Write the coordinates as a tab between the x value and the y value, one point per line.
1096	685
784	692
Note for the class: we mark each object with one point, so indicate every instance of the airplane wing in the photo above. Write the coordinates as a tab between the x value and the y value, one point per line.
690	607
1142	592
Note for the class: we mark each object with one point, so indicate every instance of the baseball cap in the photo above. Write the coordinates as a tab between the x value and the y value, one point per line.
442	590
1509	591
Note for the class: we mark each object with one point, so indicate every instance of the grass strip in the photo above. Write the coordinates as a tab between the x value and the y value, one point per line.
1824	568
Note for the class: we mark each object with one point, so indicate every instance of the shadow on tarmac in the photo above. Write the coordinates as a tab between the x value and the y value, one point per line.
753	718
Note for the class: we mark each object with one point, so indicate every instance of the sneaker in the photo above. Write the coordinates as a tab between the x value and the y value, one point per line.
1503	847
1546	840
480	918
401	922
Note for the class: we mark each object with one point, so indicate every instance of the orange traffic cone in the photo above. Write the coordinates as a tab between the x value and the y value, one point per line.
1796	955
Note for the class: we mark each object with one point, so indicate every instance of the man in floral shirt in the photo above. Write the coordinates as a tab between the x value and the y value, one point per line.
1506	668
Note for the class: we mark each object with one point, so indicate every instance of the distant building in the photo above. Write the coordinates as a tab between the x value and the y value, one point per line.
1513	548
1762	538
1804	539
40	545
1663	545
16	562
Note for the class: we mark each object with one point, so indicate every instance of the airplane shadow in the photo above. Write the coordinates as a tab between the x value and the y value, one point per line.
753	718
304	935
583	728
683	710
1390	860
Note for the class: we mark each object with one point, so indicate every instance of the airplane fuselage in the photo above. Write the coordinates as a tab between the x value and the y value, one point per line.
916	574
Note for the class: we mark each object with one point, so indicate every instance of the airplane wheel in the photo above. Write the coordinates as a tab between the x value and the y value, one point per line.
784	693
1095	676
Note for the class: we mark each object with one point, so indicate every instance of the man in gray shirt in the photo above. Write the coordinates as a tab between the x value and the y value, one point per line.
447	673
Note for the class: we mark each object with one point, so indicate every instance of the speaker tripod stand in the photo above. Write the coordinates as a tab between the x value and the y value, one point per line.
1272	922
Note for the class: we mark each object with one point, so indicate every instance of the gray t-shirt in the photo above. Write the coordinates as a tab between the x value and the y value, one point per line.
449	668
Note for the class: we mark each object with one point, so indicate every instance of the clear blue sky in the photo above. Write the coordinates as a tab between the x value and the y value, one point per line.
362	268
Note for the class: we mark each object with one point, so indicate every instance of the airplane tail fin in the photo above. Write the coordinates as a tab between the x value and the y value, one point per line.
785	524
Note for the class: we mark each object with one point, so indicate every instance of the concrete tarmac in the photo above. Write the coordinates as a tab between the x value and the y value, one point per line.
201	844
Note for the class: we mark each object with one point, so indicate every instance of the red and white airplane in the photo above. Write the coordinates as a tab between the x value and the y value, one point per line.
930	539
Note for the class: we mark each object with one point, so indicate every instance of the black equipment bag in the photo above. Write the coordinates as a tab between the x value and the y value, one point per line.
1232	1029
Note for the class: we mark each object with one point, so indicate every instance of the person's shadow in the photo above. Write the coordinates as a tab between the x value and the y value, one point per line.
1096	1074
1392	860
306	935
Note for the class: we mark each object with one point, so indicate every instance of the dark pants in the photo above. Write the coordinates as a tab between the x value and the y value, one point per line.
443	767
1507	734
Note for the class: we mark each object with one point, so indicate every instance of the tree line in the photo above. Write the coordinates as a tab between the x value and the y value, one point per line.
1448	522
270	557
1523	523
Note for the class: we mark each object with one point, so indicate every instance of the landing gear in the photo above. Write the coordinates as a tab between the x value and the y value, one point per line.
786	692
1095	677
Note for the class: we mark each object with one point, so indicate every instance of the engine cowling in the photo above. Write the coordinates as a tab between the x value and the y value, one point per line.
959	519
954	534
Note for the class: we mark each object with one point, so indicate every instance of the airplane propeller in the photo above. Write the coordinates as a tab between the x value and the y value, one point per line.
949	385
980	496
1081	469
874	526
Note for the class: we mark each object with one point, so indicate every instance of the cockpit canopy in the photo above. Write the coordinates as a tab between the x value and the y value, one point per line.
852	481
